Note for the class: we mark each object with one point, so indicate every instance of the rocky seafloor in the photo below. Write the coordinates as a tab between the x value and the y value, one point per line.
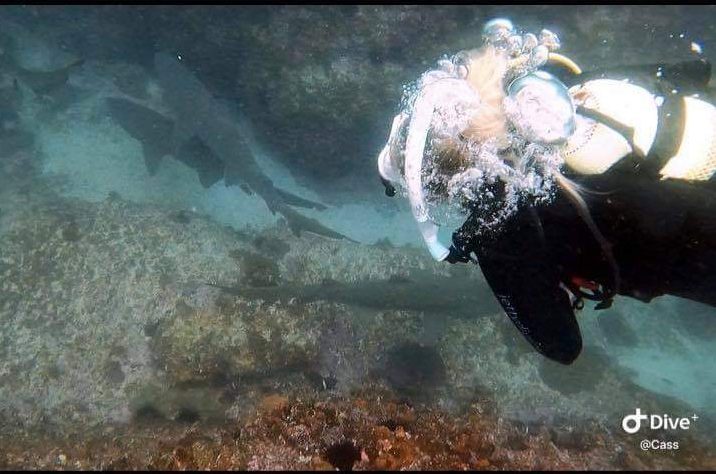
118	351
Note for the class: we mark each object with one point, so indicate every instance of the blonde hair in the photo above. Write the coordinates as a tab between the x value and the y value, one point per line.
486	72
486	68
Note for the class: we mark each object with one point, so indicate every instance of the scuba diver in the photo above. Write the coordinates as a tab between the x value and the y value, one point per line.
563	185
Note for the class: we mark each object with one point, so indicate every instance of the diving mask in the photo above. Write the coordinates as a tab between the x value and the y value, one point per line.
540	108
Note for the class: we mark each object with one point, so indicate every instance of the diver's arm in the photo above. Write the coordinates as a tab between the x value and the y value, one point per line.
454	254
429	231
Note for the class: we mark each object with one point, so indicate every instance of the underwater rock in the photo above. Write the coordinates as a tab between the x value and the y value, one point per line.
187	415
616	329
572	438
257	270
115	374
16	140
339	363
147	414
697	320
582	375
512	338
10	101
228	340
181	217
343	455
193	347
273	403
384	243
154	403
414	370
273	247
71	231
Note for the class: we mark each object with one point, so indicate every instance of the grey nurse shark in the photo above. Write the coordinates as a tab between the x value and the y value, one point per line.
204	134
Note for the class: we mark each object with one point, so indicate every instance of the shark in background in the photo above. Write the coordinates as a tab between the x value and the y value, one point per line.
47	81
33	65
420	290
203	134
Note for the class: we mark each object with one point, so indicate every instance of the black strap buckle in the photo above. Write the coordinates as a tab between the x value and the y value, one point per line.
389	188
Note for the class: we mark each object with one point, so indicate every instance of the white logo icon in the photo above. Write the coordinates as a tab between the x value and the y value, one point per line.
632	423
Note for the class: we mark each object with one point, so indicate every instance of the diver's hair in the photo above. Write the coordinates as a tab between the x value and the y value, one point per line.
452	157
486	72
574	194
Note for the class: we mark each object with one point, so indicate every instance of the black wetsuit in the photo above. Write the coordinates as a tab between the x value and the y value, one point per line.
662	235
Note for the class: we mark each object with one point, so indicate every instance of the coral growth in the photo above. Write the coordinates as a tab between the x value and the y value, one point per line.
344	433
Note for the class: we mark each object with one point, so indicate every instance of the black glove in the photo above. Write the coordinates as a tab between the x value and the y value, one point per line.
457	255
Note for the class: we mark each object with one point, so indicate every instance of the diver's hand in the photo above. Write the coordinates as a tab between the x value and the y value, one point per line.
456	256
